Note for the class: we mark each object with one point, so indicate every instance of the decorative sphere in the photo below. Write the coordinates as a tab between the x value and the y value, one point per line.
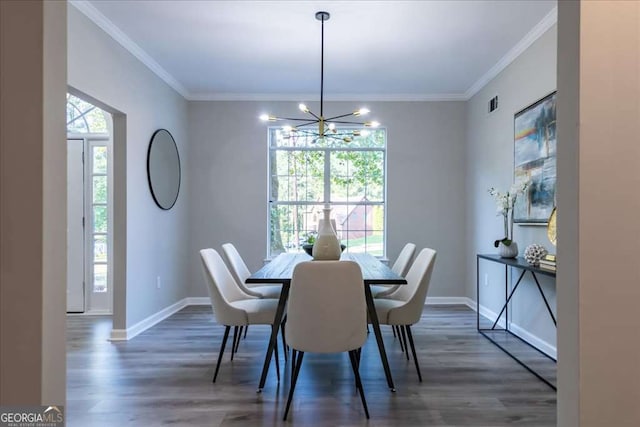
534	253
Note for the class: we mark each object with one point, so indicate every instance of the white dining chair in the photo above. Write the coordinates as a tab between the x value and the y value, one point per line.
321	323
404	307
400	267
241	273
231	306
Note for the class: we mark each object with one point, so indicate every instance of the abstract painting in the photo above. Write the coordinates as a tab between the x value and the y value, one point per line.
535	148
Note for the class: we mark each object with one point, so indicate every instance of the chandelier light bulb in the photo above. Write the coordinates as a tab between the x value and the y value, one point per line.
332	126
264	117
303	108
361	112
287	128
372	124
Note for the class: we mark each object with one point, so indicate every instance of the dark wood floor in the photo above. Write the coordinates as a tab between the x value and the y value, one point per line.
163	377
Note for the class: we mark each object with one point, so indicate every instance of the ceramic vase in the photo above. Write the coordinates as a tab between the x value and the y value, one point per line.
326	246
510	251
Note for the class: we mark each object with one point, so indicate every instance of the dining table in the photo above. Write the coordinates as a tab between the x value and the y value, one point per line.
280	271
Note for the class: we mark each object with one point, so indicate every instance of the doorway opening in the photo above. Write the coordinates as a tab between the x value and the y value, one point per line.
89	208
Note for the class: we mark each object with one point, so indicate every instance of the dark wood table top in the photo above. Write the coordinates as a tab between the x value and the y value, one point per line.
518	262
281	268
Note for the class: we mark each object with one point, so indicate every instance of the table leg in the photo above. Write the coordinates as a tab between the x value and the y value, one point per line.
373	316
282	302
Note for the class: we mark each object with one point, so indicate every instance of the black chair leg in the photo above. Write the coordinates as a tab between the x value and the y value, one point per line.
293	363
356	373
296	371
235	336
275	353
404	340
246	328
238	342
284	343
413	351
393	328
397	328
224	342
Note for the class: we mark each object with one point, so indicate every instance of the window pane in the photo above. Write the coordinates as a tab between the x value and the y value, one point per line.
292	225
100	248
297	175
357	176
99	219
361	228
99	278
100	189
100	159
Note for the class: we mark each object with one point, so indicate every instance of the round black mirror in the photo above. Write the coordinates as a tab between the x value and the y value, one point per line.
163	169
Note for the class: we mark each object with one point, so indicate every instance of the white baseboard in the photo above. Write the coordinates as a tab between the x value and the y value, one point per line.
446	301
198	301
144	324
541	344
544	346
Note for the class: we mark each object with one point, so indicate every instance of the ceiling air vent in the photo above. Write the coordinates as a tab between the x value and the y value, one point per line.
493	104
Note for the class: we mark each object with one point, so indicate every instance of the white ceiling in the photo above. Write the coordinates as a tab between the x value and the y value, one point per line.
382	50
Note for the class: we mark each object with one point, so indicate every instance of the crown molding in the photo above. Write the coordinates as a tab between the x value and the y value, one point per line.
536	32
386	97
118	35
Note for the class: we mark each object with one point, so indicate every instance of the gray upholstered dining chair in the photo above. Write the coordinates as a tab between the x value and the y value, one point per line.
241	272
400	267
231	306
404	307
321	323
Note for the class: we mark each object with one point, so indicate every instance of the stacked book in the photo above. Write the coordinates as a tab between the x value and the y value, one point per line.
548	262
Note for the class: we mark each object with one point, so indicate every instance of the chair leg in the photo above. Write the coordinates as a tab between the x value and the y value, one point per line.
413	351
356	373
238	342
284	343
293	363
393	328
294	379
246	328
275	349
224	342
235	336
404	340
397	328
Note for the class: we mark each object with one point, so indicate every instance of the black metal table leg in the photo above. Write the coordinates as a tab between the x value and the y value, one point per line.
504	307
282	302
373	316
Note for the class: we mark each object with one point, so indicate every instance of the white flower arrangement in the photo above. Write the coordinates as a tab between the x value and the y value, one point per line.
504	206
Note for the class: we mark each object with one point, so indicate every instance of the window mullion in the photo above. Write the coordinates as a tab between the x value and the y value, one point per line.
327	176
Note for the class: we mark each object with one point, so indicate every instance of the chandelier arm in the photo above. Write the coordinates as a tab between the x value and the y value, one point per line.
294	119
342	122
338	117
307	124
313	114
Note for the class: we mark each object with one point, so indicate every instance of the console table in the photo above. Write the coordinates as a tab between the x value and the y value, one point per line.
520	264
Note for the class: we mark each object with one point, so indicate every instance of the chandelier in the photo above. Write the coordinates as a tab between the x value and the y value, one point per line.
317	125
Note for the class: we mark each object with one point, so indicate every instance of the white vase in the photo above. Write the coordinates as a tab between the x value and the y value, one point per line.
510	251
326	246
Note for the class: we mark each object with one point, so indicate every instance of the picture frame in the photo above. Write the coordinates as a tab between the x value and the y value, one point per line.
534	154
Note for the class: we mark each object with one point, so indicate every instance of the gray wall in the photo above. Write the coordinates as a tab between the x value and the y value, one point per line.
425	184
156	240
489	163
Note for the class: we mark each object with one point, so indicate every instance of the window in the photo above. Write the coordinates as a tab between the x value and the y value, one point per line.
83	117
305	173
